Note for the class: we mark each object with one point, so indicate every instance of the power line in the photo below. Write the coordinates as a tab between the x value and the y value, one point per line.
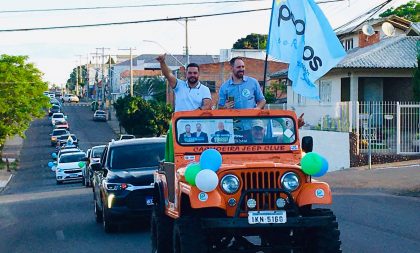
131	22
144	5
145	21
374	10
128	6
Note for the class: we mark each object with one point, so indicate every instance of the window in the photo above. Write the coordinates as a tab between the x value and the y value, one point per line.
236	130
210	84
325	91
136	156
347	43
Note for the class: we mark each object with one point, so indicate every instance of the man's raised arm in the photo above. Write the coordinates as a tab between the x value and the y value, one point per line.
166	71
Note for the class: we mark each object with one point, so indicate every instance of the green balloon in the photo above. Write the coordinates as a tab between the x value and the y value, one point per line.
81	164
192	171
311	163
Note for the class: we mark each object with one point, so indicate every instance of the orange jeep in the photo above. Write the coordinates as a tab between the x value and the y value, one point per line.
262	201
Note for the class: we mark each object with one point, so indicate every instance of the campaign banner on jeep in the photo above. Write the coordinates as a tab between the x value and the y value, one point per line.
301	35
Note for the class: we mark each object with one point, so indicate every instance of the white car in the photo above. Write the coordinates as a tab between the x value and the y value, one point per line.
69	98
57	117
69	167
56	156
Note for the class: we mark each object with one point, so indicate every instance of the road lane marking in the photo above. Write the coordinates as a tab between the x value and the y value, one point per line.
60	235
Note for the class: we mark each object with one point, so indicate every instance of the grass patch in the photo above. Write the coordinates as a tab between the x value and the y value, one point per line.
12	166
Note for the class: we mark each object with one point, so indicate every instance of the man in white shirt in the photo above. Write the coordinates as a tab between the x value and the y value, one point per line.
190	94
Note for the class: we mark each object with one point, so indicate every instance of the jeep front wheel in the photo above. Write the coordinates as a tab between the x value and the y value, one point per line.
188	236
161	232
323	239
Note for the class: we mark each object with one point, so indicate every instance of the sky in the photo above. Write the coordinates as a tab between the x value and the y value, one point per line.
56	52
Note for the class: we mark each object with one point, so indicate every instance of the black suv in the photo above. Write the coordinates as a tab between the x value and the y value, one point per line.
123	181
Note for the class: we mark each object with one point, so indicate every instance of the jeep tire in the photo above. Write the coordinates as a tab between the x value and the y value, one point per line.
161	231
188	236
323	239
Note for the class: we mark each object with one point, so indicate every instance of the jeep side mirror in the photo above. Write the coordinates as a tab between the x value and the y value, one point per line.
96	166
307	144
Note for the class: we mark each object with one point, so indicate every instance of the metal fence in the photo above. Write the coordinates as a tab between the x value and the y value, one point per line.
382	127
388	127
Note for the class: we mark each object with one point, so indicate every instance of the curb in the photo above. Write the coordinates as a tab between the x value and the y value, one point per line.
4	183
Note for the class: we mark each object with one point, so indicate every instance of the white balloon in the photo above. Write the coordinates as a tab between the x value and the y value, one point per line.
206	180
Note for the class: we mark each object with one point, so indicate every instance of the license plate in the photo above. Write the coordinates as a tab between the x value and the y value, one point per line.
266	217
149	201
74	175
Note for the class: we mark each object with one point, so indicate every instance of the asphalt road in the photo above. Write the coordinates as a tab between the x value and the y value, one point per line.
36	215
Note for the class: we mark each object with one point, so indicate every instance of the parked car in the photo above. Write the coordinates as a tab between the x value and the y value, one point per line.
127	137
68	167
57	117
62	124
54	109
123	181
94	156
55	135
99	115
70	98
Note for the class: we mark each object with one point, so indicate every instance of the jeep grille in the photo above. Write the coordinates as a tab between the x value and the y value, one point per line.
261	180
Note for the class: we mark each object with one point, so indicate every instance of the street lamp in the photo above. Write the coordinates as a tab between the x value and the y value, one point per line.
164	49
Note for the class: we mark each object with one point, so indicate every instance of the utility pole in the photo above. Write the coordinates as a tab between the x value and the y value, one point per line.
77	79
131	70
95	84
109	87
186	40
103	77
87	76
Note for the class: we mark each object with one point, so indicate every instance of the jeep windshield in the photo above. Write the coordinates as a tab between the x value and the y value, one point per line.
235	130
136	156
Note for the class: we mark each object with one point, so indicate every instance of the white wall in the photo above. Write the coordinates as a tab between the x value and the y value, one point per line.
334	146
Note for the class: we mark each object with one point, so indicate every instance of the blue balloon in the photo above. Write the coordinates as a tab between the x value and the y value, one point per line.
211	159
50	164
54	155
324	168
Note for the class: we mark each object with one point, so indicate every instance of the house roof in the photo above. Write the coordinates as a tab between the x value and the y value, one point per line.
396	21
171	60
391	52
279	74
139	73
414	29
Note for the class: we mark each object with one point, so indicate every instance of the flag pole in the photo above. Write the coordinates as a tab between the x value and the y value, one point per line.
265	71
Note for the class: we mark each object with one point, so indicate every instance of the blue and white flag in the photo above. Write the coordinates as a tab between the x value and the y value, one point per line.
301	35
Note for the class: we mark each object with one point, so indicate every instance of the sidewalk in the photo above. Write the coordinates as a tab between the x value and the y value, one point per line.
11	151
115	124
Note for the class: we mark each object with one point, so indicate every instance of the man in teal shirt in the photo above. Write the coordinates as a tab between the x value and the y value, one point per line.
240	91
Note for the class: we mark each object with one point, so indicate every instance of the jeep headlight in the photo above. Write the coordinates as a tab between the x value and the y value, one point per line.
229	184
290	181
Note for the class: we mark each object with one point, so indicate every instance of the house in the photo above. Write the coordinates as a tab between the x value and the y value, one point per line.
373	69
213	75
146	64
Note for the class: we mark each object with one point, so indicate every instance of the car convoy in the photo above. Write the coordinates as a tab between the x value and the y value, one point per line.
258	188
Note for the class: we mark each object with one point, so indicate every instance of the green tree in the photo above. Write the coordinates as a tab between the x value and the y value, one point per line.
409	11
143	118
151	87
252	41
71	82
21	95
